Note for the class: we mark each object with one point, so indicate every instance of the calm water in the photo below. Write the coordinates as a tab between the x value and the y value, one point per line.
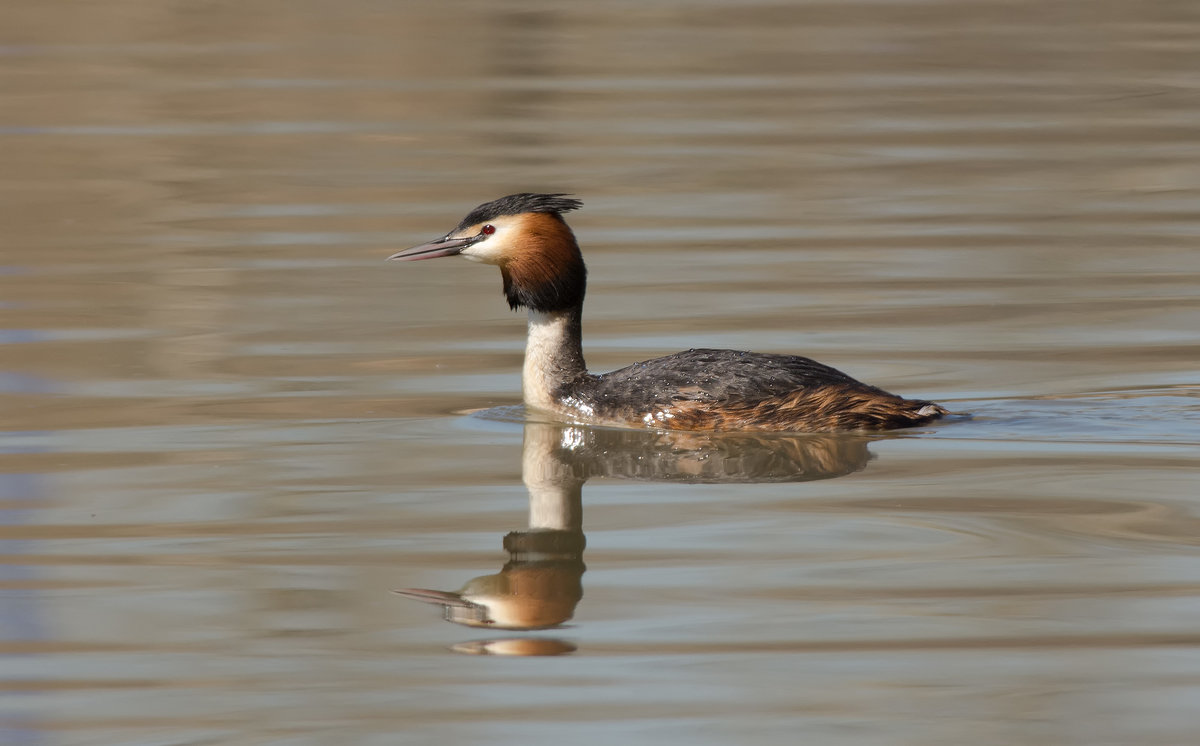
230	430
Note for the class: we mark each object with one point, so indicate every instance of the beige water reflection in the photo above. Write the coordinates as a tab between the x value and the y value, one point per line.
228	430
540	584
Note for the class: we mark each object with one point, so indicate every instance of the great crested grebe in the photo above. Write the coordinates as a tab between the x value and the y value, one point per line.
711	390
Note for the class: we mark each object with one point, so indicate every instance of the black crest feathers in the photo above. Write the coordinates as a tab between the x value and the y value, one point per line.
516	204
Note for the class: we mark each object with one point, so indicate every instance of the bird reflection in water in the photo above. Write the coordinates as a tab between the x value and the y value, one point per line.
541	584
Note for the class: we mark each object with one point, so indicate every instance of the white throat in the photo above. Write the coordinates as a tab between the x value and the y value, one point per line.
553	356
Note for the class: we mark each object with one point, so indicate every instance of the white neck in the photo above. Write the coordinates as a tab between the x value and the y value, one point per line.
553	356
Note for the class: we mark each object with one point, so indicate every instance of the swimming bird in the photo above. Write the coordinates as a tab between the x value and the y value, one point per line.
542	270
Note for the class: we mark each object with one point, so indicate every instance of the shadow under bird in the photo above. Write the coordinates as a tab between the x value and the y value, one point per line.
701	389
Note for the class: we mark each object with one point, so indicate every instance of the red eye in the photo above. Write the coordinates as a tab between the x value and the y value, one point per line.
488	229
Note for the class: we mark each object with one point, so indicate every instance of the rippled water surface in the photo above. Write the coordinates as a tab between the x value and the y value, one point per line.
230	430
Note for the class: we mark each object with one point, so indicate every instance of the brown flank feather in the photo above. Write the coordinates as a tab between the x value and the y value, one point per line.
836	407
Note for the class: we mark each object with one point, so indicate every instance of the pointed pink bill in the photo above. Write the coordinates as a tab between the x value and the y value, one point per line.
446	246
